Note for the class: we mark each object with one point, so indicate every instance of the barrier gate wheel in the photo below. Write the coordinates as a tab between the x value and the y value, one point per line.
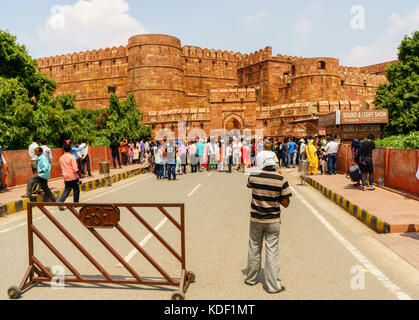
178	296
13	292
191	276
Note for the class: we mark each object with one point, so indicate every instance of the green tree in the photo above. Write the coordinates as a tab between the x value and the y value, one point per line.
401	95
122	120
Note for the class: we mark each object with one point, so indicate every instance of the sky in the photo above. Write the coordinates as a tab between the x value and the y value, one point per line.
358	33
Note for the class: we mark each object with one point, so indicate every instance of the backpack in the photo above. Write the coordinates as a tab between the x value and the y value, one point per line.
354	172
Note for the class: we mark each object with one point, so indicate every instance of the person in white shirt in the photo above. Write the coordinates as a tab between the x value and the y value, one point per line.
210	154
215	157
265	154
237	153
47	151
302	149
229	154
158	160
85	158
331	151
32	155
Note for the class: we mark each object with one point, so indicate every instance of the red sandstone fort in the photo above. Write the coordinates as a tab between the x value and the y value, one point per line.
214	89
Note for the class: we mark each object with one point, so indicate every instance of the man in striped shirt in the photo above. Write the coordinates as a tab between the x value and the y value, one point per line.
270	190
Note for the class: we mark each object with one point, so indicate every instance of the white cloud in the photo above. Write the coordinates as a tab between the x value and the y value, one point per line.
384	48
253	18
304	27
87	25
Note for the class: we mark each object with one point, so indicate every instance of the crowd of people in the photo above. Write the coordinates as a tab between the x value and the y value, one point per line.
169	157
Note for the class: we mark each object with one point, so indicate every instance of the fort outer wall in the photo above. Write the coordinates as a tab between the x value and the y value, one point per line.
155	71
89	75
173	83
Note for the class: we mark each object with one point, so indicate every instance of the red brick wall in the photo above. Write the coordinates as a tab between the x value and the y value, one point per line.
397	167
19	166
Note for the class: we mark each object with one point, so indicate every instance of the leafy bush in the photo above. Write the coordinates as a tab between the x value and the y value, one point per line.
408	141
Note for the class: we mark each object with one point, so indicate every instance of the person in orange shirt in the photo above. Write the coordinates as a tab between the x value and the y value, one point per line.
124	151
70	174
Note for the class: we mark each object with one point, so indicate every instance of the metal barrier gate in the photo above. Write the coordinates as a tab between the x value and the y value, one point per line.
103	216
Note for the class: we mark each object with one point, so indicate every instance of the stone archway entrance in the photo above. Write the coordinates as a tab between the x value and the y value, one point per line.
233	122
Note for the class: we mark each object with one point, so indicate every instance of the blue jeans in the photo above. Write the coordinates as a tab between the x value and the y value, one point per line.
368	167
85	162
114	157
160	171
171	171
71	185
291	159
332	163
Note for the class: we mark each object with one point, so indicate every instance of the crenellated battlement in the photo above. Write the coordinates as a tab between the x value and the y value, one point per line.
199	53
255	57
285	58
86	56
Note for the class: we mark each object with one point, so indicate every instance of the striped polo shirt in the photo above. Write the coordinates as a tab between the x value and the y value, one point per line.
268	188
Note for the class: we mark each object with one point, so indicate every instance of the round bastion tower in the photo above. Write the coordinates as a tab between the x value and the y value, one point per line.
155	72
315	79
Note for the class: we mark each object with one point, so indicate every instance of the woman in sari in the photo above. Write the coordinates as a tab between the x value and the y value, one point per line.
313	160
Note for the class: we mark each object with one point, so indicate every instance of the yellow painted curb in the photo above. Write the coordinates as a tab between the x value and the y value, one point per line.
11	208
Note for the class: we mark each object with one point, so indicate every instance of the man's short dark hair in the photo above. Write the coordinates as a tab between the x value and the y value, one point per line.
67	148
371	137
35	139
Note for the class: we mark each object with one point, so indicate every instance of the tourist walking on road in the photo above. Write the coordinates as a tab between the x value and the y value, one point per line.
32	155
71	176
171	159
200	147
42	176
158	161
183	153
270	190
115	153
131	152
47	151
124	151
229	154
292	153
85	158
313	160
331	150
367	165
193	156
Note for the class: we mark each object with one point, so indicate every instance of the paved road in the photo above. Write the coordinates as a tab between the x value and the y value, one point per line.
320	245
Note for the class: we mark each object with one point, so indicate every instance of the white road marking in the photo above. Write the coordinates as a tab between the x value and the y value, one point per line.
209	174
193	191
143	242
150	235
97	196
394	289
